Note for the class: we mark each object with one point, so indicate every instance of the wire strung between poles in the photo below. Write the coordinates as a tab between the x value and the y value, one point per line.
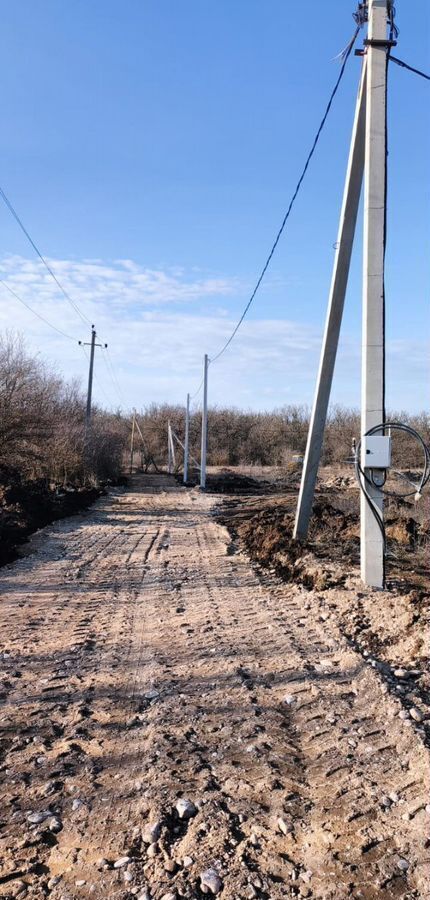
400	62
42	258
39	315
346	55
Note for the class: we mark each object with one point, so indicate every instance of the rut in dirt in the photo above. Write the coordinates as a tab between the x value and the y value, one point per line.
145	663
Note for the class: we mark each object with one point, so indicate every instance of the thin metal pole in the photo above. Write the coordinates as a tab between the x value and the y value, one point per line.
187	438
345	240
204	443
172	449
90	376
132	443
169	450
373	338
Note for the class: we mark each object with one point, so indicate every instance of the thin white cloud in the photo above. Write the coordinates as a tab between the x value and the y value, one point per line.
157	336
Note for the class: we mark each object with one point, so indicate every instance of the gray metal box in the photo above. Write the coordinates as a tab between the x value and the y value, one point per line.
376	452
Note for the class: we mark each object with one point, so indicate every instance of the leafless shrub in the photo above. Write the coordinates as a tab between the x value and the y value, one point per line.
42	423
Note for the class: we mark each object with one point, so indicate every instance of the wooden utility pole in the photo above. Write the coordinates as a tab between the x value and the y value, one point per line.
345	240
187	439
373	337
204	443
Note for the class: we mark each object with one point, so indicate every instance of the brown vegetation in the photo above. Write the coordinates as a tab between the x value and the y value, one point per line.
245	438
49	465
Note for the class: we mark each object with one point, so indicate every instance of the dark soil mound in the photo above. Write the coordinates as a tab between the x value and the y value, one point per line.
26	506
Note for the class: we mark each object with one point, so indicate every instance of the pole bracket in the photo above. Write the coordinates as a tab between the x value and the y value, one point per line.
373	42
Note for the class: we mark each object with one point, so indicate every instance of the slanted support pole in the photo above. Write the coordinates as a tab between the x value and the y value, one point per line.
204	443
133	425
187	439
373	338
347	224
169	449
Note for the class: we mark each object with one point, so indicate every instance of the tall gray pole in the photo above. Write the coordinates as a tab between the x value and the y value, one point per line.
90	375
372	393
187	438
345	239
204	444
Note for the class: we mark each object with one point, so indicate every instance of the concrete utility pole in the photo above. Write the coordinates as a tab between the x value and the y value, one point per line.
373	388
92	345
187	439
345	240
204	444
370	116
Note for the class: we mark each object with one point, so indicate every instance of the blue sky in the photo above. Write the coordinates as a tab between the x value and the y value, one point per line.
151	149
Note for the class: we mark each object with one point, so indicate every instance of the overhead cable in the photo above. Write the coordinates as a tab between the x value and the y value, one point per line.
42	258
399	62
346	56
111	373
192	396
39	315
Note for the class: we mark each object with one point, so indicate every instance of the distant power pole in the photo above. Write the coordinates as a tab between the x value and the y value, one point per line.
187	439
92	345
204	445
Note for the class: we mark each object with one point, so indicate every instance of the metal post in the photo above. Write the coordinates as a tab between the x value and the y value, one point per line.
90	376
132	442
345	239
372	397
204	444
187	438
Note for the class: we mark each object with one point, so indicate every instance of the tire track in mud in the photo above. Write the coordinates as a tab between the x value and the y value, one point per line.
155	663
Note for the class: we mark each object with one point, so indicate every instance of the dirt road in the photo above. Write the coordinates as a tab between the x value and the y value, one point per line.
144	662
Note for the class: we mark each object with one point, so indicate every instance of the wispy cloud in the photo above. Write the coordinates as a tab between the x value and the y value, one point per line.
159	323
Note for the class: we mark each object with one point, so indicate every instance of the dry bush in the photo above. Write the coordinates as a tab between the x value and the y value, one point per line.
246	438
42	424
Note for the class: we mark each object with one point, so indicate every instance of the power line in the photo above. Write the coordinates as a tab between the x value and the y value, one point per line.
41	257
111	365
399	62
346	56
112	376
198	389
39	316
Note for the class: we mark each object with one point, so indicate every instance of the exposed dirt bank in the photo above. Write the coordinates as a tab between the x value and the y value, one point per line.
26	506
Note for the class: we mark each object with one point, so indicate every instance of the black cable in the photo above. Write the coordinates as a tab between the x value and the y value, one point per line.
39	316
399	62
364	479
296	191
41	257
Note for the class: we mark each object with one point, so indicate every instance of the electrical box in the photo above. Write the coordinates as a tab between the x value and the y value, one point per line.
376	452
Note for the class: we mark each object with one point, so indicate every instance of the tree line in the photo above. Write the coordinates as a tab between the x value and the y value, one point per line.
43	434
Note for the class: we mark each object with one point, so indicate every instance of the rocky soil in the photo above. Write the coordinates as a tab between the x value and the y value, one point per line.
178	721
